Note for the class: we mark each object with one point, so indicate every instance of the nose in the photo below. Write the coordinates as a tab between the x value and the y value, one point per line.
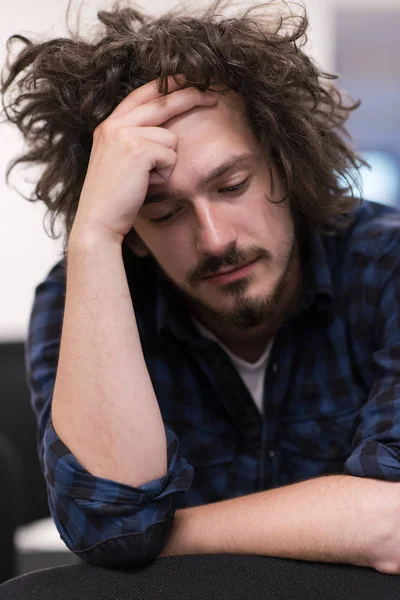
215	231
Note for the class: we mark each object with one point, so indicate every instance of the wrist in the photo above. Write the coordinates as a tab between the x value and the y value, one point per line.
177	543
87	234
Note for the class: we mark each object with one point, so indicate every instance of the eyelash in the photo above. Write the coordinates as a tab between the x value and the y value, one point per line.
229	190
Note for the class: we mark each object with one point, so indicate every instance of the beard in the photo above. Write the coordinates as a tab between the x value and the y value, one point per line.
246	312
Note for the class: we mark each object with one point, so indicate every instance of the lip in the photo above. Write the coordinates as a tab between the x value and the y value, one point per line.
232	275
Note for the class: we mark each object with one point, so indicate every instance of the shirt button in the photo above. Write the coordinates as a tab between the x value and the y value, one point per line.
275	367
271	453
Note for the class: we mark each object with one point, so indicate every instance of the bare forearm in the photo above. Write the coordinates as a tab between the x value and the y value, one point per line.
329	519
104	406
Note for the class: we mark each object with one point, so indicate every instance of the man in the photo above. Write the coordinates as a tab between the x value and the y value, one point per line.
214	363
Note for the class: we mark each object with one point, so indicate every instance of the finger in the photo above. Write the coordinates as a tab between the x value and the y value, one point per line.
155	178
146	93
156	135
162	160
161	110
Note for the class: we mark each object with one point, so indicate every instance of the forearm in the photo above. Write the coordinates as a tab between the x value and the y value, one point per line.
104	406
329	519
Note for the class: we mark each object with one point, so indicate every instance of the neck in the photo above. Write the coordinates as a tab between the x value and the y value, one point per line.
248	347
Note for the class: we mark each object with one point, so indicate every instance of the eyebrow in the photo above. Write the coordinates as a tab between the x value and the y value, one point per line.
233	161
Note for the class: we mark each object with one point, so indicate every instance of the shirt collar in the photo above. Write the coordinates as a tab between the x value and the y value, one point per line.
318	290
173	315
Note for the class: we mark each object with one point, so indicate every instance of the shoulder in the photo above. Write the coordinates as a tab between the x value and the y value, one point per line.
365	257
141	279
51	290
368	248
48	307
374	231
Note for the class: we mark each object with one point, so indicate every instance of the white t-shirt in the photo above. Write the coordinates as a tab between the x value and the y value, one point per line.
252	374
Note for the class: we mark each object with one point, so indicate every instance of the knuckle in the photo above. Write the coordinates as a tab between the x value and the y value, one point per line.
172	157
125	138
105	128
389	567
165	100
134	144
173	137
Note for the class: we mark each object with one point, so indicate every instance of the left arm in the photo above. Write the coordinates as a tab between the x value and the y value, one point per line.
336	518
351	518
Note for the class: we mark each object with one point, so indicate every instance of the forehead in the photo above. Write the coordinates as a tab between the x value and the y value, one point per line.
225	119
208	136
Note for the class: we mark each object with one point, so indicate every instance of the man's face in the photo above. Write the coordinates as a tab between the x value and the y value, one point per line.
216	224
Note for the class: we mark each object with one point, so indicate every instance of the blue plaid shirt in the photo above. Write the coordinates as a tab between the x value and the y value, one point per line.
331	399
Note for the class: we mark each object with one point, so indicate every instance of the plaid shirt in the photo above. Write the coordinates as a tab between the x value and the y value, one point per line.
331	396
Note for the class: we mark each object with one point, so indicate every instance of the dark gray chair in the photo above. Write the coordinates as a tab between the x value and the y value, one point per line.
18	424
23	502
10	508
206	577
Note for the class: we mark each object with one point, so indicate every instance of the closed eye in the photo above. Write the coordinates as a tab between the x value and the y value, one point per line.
228	190
163	219
234	188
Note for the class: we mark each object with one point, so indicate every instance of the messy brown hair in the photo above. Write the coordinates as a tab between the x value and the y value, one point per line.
58	91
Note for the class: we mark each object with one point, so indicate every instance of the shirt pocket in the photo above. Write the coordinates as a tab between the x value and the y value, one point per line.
212	456
322	438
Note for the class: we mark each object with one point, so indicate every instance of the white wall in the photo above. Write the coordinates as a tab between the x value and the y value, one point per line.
26	253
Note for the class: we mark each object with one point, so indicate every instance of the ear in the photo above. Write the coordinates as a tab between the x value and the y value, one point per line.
136	244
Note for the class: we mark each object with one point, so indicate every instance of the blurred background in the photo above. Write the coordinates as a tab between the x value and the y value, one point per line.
357	39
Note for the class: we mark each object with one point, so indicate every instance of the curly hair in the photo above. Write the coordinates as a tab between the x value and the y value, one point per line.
58	91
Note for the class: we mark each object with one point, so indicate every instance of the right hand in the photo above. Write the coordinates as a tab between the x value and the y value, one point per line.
130	151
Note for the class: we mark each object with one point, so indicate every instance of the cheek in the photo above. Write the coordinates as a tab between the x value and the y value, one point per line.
262	221
279	221
173	256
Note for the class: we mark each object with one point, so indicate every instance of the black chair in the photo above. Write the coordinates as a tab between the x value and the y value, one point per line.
10	508
206	577
18	424
18	429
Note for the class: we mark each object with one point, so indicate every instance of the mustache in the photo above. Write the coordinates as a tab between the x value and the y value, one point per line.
213	264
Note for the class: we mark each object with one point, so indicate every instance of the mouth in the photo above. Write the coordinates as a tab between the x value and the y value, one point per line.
234	273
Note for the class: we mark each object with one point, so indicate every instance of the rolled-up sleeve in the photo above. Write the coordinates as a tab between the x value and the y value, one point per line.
102	521
377	438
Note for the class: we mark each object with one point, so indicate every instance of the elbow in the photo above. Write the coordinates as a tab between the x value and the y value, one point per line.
111	534
375	460
103	522
130	549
